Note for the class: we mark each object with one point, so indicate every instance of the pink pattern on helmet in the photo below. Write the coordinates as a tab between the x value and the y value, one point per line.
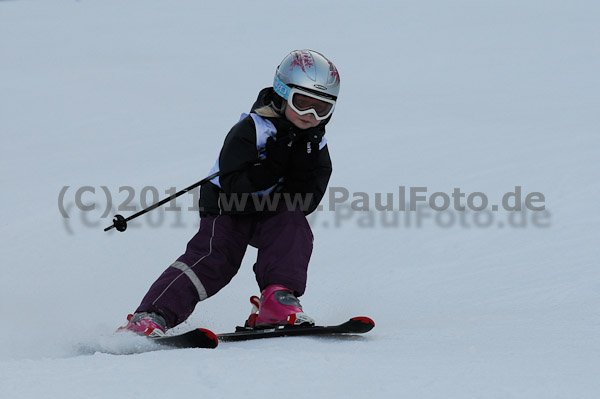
302	59
333	71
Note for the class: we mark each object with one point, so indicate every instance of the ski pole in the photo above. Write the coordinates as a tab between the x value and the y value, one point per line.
120	222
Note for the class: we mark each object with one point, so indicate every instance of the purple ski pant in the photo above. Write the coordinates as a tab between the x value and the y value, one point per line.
214	255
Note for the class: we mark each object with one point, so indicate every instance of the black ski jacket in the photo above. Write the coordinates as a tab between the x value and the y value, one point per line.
239	161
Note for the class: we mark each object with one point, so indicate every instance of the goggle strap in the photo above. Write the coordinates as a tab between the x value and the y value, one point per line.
281	88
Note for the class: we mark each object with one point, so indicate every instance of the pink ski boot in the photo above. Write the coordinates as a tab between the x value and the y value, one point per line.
149	324
278	305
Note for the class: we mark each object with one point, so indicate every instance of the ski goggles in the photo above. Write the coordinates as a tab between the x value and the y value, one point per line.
305	102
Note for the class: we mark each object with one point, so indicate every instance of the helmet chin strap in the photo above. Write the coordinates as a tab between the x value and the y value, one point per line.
278	103
326	121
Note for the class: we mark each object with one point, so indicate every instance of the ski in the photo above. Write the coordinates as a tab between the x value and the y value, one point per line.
198	338
203	338
356	325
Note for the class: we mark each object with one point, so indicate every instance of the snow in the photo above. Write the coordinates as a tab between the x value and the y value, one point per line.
481	96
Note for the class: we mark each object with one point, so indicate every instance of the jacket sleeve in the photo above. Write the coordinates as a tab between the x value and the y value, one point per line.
322	175
240	169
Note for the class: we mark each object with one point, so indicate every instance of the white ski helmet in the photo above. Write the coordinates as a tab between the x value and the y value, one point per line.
309	70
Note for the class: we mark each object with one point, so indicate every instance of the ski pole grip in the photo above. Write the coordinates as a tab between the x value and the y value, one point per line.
119	223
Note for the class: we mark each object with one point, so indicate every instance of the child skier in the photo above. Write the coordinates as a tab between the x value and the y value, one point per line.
274	167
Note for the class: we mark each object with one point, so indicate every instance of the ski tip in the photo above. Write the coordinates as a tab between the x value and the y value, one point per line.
361	324
211	336
364	319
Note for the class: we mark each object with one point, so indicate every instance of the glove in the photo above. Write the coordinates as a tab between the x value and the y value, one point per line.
276	163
